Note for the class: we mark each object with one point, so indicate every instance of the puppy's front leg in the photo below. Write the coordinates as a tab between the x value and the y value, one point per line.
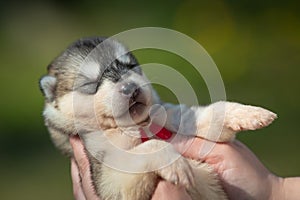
221	120
218	121
162	157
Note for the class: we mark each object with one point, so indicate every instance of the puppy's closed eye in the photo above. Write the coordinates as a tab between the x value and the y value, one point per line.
88	81
88	88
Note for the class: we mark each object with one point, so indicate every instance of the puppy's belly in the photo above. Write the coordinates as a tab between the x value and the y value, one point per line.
118	185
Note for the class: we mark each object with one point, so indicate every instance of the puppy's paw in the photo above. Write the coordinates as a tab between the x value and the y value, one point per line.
179	172
243	117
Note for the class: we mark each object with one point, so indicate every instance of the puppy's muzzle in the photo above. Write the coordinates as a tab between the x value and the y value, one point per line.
130	90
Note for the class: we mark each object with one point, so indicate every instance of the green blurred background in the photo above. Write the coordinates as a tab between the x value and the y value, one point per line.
255	44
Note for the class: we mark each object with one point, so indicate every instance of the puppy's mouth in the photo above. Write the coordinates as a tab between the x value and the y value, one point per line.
132	103
137	104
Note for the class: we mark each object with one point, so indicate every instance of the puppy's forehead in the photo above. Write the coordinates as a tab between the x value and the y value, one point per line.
103	56
110	51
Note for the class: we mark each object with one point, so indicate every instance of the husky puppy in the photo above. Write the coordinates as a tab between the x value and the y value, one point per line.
96	89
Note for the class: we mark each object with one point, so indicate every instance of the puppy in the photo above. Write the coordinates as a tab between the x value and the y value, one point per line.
96	89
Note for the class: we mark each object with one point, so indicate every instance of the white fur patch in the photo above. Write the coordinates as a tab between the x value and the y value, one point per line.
90	70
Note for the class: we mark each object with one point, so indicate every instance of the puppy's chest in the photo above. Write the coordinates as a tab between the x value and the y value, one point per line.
125	139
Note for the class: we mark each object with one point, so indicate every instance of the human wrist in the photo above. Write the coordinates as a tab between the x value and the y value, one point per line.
277	188
291	187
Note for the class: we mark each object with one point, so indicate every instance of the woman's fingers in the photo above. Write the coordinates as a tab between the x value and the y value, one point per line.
80	156
83	168
76	180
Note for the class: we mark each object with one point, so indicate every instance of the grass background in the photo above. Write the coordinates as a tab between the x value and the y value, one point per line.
255	44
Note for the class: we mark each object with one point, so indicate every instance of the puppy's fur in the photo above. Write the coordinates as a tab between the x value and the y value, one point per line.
96	89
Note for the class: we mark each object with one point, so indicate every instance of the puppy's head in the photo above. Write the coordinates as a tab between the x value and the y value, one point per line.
96	82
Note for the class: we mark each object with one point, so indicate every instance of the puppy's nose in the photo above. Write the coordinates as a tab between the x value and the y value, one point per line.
130	89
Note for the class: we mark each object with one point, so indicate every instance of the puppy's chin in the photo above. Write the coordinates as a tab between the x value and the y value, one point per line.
139	113
136	115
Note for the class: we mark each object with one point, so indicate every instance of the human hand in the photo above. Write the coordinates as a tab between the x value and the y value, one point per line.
80	172
242	175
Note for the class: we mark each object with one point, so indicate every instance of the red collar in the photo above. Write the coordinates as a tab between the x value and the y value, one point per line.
156	131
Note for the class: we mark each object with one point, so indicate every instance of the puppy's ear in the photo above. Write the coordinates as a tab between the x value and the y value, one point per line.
47	86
